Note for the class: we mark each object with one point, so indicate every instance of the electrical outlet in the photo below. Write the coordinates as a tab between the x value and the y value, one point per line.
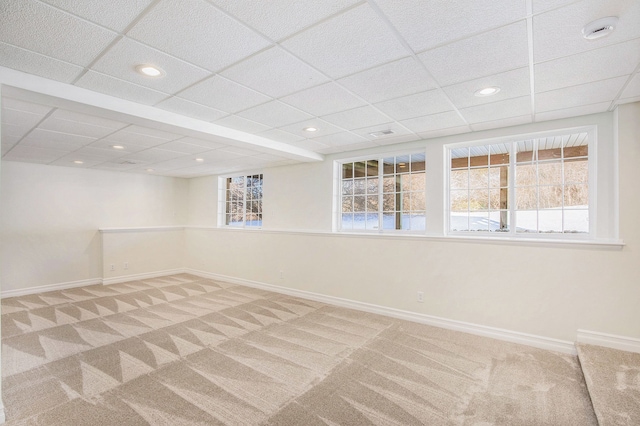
126	265
113	267
420	296
282	275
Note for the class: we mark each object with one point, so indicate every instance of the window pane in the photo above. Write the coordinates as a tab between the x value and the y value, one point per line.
526	198
389	184
478	199
550	173
347	170
372	185
359	186
372	221
527	221
402	164
389	166
576	196
405	182
459	158
359	169
389	221
479	222
389	202
550	197
499	221
418	201
459	179
347	221
359	221
550	220
347	204
347	187
417	221
417	162
359	203
499	154
459	201
372	168
372	203
479	178
494	199
525	151
576	220
526	175
576	171
418	181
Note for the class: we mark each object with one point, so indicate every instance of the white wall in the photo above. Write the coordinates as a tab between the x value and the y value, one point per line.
50	218
543	289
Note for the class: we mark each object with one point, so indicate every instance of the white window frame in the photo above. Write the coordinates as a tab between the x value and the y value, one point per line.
337	227
512	234
222	200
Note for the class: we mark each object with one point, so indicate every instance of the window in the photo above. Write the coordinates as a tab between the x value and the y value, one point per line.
386	193
243	201
528	186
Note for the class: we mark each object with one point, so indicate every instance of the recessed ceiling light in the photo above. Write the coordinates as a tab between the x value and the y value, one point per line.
149	71
78	162
149	170
200	160
382	133
117	146
599	28
310	129
487	91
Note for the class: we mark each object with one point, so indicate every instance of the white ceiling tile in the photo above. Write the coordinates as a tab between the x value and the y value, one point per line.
543	5
310	144
202	142
36	26
154	133
8	142
392	140
279	18
74	127
32	154
19	105
633	88
438	121
14	130
199	33
134	138
37	64
176	163
505	122
281	136
424	26
240	123
323	127
388	81
183	147
598	64
223	94
347	148
120	88
573	112
88	160
417	105
191	109
397	129
444	132
274	113
114	14
566	24
488	53
108	144
350	42
20	118
93	120
497	110
99	153
117	167
358	118
340	139
324	99
152	155
121	60
56	140
274	72
584	94
512	84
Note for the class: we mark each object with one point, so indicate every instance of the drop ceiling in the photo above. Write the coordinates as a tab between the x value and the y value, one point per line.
242	79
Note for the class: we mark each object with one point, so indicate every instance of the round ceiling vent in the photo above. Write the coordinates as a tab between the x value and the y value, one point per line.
599	28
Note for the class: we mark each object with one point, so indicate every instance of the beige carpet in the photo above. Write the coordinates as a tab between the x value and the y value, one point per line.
182	350
613	379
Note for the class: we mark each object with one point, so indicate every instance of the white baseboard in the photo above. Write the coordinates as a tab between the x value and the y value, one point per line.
480	330
49	287
145	276
622	343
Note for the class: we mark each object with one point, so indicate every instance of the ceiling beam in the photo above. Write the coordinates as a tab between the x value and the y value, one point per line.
37	89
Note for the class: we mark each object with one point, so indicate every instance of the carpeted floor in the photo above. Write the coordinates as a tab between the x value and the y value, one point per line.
183	350
613	379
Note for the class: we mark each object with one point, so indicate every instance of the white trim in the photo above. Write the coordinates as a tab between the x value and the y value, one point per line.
480	330
2	415
141	229
145	276
612	341
534	242
49	287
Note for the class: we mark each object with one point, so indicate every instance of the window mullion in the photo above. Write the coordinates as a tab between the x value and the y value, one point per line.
512	187
380	195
